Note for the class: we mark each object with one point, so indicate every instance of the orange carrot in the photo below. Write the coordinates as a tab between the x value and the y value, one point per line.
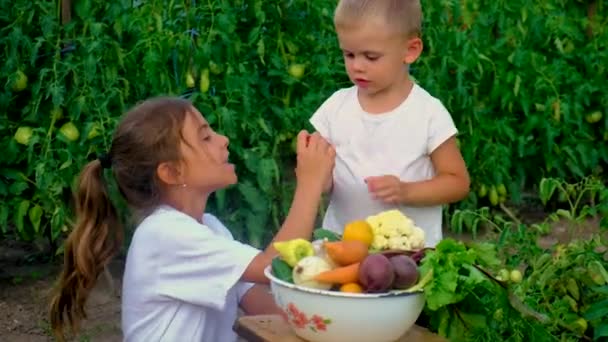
345	253
340	275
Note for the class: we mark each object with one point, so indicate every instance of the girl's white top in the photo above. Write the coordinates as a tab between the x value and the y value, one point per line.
181	281
397	143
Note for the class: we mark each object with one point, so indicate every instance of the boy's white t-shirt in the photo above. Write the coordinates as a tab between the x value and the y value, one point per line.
181	281
396	143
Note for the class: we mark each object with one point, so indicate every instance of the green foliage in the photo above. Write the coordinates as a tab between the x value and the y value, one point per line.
510	288
112	55
578	202
524	82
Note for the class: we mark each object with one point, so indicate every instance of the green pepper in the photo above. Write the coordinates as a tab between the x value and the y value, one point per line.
321	234
282	270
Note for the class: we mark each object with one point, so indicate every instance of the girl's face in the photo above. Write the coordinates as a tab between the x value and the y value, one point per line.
205	163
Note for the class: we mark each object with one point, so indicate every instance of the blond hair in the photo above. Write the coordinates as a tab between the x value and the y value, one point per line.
403	15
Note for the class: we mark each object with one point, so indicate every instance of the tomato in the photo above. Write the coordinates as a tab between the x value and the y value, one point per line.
20	82
159	22
214	68
493	196
570	189
502	190
557	112
297	70
69	131
503	275
515	276
23	135
294	145
498	315
594	117
189	80
57	113
204	84
95	130
483	191
580	325
569	47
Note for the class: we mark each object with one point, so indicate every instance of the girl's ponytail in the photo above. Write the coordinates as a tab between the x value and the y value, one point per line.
96	238
149	134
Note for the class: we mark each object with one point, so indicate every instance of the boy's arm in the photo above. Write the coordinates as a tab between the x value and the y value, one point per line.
450	184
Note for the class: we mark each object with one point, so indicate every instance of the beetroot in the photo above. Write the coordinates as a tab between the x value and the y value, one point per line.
376	273
406	271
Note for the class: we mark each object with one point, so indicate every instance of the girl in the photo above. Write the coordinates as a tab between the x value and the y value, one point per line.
185	275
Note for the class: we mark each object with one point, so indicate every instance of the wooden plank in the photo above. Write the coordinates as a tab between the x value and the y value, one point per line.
591	13
272	328
66	11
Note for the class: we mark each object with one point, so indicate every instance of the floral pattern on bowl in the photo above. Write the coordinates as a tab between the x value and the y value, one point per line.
301	321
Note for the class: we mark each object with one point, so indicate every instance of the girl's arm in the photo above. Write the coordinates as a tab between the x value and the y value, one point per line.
259	301
315	166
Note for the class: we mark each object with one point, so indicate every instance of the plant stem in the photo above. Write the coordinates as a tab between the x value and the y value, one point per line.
509	213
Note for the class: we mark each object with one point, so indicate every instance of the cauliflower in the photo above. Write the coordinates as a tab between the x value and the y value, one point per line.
393	230
401	242
380	242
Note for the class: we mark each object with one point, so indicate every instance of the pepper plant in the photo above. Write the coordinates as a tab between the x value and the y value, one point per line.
524	82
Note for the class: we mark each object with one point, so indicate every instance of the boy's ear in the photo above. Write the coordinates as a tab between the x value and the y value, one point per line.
169	173
413	50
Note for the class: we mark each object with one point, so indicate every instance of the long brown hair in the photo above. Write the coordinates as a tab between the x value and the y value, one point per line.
149	134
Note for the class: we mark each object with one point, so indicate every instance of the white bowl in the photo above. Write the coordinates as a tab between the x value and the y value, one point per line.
332	316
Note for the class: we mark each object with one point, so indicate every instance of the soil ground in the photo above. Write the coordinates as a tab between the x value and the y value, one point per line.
24	290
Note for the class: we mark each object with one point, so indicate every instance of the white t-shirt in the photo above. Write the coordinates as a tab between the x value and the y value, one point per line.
396	143
181	281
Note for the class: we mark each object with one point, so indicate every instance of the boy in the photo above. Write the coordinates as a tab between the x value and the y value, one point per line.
395	143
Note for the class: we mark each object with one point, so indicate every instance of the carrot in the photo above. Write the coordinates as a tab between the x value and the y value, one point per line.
345	253
351	288
340	275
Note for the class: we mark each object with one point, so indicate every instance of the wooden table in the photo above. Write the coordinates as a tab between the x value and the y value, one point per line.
272	328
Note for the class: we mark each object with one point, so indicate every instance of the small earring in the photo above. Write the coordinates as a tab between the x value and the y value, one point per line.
184	185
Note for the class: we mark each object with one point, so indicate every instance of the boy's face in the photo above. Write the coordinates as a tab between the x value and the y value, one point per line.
376	56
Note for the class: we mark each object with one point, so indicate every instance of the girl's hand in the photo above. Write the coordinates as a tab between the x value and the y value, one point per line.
314	168
316	159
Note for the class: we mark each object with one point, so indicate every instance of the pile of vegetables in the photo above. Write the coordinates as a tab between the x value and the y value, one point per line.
476	291
355	261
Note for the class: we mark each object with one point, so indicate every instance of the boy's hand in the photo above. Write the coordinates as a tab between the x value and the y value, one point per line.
387	189
450	184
